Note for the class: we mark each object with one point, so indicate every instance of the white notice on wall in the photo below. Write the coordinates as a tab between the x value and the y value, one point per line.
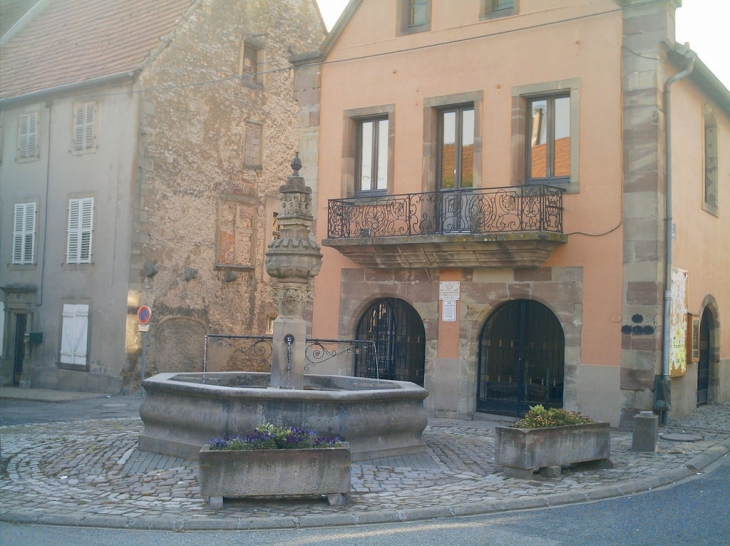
449	290
448	311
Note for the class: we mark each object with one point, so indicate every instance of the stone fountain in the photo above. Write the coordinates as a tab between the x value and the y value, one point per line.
379	418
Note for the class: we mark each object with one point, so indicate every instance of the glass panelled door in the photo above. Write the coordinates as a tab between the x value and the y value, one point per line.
456	167
521	359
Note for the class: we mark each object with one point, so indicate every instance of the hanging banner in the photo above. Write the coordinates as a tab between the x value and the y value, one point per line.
678	325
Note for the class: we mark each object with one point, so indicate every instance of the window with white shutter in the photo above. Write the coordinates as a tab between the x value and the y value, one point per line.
24	234
74	339
28	136
84	126
80	229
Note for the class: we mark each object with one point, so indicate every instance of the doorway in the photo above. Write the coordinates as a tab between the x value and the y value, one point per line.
521	359
21	323
704	365
400	342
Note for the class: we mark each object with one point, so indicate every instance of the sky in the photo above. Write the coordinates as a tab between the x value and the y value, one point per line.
705	24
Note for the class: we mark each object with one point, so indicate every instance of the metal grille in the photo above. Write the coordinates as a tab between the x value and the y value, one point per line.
480	210
521	359
703	366
400	341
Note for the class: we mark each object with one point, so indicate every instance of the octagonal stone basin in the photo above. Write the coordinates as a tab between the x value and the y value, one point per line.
379	418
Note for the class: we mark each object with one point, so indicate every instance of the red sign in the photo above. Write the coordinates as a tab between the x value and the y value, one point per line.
144	314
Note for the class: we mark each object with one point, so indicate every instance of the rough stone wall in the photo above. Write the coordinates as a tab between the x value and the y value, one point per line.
203	217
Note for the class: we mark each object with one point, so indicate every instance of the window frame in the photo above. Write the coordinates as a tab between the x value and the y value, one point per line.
22	232
432	108
74	353
490	9
376	149
405	21
24	151
76	230
249	125
521	98
351	148
710	162
255	78
459	110
86	127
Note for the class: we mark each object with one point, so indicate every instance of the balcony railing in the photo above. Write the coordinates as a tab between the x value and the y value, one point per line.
474	211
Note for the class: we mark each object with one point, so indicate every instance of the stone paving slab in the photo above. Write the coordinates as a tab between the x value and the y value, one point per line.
90	473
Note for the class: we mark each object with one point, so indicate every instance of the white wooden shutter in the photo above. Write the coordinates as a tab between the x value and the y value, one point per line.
27	135
80	224
74	338
84	126
24	233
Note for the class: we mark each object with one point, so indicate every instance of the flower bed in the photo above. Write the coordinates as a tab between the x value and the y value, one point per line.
553	442
274	462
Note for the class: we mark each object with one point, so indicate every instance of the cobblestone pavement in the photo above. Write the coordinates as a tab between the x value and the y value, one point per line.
90	473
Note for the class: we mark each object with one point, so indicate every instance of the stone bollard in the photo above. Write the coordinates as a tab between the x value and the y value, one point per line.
646	432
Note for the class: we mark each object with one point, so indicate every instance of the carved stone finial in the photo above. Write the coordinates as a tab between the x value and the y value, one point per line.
296	165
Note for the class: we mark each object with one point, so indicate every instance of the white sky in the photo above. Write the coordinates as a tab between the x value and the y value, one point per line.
705	24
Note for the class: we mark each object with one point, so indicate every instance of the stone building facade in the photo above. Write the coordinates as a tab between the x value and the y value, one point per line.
493	213
140	163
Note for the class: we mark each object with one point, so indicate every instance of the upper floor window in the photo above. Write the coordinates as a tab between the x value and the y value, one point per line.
414	16
24	229
456	150
28	136
710	202
499	8
252	145
251	64
548	138
84	138
80	230
372	157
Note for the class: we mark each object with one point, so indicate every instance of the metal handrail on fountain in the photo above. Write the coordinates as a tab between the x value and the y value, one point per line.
257	350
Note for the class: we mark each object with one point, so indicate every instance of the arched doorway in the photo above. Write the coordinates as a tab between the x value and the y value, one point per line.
521	359
400	340
703	365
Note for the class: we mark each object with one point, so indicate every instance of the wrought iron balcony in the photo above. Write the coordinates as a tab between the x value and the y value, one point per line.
515	226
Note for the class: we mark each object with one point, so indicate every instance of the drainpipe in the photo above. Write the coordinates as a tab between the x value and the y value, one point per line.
665	387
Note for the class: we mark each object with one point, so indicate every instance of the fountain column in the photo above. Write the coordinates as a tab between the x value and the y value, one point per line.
292	261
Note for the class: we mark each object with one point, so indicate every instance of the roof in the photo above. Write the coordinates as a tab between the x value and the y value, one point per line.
75	41
11	11
701	75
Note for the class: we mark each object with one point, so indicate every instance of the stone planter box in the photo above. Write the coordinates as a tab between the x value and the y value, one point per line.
522	451
275	473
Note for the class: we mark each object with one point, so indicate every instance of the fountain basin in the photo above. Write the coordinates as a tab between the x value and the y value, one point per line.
379	418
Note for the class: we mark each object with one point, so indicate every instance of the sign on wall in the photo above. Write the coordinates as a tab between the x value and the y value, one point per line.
678	324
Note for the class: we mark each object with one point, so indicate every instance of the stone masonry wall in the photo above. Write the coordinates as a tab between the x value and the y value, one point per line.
205	214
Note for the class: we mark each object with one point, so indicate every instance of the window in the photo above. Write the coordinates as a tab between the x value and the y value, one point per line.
710	202
545	125
372	158
84	138
80	227
368	143
456	148
24	234
251	64
548	134
499	8
28	136
74	335
252	146
237	221
414	16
